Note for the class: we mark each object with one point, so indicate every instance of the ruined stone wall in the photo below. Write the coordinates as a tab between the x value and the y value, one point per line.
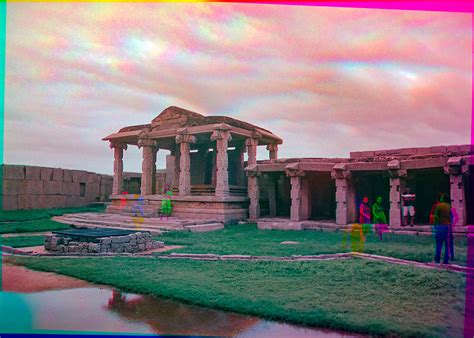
30	187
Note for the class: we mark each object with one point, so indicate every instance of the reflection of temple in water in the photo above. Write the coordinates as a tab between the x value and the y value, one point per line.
170	317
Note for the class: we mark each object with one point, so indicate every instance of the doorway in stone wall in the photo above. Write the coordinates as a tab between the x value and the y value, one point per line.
426	184
469	195
322	195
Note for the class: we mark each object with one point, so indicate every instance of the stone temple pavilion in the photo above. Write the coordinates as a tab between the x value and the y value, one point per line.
210	178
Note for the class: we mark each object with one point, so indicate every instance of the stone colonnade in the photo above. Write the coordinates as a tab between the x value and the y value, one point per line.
346	210
182	176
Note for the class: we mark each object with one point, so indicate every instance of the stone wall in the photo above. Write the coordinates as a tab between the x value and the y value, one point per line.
30	187
140	241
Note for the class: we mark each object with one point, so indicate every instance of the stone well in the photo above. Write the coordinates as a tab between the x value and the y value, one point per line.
107	242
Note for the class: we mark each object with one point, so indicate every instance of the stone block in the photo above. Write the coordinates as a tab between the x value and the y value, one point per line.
466	149
438	149
423	151
79	176
106	240
119	249
70	188
58	174
13	172
32	173
46	174
52	187
54	201
74	201
10	202
453	149
11	187
31	187
67	175
141	247
30	201
92	190
116	240
93	178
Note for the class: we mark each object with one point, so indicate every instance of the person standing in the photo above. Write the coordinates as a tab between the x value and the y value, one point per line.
408	200
442	222
364	211
379	218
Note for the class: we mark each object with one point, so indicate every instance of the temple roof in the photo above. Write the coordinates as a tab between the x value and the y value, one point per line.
174	118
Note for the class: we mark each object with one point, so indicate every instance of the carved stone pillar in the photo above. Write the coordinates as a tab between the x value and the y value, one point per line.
273	151
222	137
251	144
253	192
298	211
345	195
148	163
118	167
185	140
240	174
176	157
454	169
397	185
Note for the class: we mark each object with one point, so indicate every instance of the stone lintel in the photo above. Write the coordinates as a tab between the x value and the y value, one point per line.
117	145
423	163
293	170
393	165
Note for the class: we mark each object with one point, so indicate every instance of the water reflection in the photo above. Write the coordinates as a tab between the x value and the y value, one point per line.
101	309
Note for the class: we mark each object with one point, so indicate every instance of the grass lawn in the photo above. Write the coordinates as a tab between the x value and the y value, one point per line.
40	214
353	295
22	241
248	240
32	226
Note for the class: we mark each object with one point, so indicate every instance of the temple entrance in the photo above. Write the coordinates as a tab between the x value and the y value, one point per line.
275	186
469	195
426	184
322	195
372	184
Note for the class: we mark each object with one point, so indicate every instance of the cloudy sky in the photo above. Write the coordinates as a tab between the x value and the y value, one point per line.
327	80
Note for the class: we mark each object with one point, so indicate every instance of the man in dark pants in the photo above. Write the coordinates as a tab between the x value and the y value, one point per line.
442	221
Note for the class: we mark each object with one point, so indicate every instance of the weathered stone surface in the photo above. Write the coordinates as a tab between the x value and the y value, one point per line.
70	188
67	175
13	172
11	187
10	202
54	201
52	187
30	201
141	247
46	174
92	190
438	149
58	174
31	187
74	201
79	176
32	173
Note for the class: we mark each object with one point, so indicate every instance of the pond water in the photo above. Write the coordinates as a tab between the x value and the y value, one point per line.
101	309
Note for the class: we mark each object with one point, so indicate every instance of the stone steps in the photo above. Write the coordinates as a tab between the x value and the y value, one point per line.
205	227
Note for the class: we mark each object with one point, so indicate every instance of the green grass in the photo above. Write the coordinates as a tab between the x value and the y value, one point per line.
22	241
353	295
248	240
32	226
39	214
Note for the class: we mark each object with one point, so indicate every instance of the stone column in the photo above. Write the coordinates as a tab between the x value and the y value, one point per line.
185	140
397	185
118	167
458	199
345	201
240	150
214	166
251	144
176	156
149	157
271	196
154	188
297	209
222	137
273	151
253	194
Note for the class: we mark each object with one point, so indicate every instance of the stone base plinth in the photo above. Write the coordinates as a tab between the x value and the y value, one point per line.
222	209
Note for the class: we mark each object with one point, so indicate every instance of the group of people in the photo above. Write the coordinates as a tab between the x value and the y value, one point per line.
442	217
374	215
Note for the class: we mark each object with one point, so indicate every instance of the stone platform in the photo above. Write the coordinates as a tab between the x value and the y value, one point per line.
154	225
220	209
286	224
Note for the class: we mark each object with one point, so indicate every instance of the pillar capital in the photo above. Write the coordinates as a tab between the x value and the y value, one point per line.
221	134
293	170
400	173
272	147
252	173
454	166
117	145
252	141
185	138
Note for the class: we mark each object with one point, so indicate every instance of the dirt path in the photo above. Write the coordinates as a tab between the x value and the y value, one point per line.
19	279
